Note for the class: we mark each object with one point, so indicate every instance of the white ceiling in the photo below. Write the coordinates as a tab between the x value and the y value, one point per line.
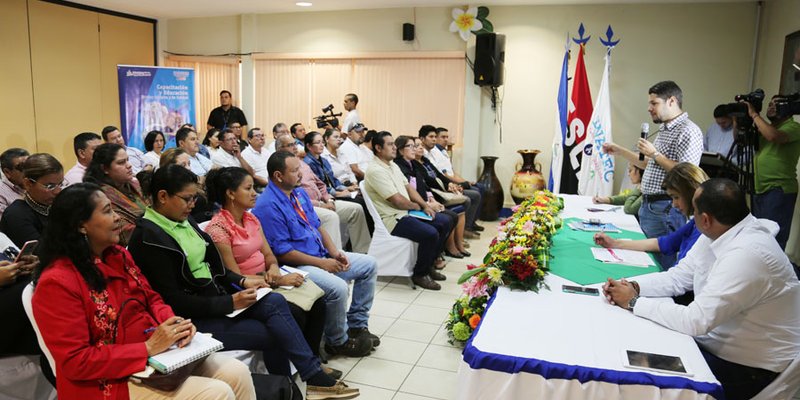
162	9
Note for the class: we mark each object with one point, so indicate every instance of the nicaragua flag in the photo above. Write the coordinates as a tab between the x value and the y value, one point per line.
554	183
596	177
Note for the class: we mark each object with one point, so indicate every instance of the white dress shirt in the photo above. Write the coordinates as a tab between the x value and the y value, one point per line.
341	171
257	160
200	164
75	174
746	307
349	153
366	157
224	159
351	120
136	158
440	160
718	140
151	158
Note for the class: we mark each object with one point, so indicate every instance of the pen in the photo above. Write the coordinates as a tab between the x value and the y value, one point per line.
237	287
614	255
148	330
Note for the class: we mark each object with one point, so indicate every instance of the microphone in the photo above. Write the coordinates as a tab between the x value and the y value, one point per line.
645	131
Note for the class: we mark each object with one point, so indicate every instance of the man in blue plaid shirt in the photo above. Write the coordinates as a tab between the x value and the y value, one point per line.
679	140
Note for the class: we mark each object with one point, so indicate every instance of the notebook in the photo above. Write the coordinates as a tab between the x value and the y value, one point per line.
420	215
201	345
286	270
260	292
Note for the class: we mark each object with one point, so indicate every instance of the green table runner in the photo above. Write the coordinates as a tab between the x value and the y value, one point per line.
573	259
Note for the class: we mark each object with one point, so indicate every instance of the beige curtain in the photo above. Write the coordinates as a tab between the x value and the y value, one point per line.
211	77
395	94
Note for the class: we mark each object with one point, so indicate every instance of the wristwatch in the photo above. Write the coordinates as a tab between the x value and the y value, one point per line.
656	154
632	303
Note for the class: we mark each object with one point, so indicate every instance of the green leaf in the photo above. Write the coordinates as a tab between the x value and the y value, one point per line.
483	11
466	275
487	26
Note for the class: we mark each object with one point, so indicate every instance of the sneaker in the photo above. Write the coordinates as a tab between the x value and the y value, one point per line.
338	391
364	332
353	347
437	276
425	282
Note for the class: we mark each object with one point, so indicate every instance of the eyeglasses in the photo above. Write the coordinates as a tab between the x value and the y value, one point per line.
410	145
51	186
188	199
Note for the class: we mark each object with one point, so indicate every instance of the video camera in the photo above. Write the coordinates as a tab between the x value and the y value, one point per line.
739	109
328	118
787	105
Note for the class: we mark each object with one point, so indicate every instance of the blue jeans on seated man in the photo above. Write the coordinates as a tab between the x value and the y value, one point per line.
738	381
267	326
777	206
364	271
659	218
430	236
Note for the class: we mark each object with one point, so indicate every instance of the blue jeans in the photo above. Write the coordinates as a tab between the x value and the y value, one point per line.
738	381
267	326
473	208
430	236
659	218
777	206
364	271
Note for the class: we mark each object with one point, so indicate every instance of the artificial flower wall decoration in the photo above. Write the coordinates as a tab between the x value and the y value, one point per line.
473	20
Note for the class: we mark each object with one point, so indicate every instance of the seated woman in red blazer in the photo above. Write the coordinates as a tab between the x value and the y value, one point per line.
100	318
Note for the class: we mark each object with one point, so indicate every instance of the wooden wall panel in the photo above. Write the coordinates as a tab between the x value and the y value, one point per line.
66	76
16	101
122	41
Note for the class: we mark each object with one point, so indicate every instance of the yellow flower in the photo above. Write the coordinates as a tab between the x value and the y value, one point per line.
465	22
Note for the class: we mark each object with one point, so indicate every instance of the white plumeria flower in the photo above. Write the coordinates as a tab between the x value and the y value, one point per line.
465	22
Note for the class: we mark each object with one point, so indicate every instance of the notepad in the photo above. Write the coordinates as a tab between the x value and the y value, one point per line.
201	346
618	256
261	292
604	227
286	270
420	215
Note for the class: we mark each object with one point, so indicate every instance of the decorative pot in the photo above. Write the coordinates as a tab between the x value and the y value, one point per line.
528	179
493	191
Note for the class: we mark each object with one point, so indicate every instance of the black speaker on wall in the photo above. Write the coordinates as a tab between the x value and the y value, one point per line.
408	32
490	54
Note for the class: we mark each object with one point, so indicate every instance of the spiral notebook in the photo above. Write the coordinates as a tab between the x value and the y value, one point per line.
174	358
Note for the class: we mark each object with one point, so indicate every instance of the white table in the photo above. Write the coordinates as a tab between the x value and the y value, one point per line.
554	345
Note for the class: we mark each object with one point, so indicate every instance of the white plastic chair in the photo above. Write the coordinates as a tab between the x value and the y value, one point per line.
785	385
27	299
396	256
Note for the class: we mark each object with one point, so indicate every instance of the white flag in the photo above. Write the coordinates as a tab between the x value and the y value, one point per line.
596	177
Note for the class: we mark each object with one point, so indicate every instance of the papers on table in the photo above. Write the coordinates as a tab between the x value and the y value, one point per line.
589	227
619	256
260	293
286	270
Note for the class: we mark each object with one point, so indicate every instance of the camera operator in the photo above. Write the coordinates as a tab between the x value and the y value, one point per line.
775	167
679	140
350	103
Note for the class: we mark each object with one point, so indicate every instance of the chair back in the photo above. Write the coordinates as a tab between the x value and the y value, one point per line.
27	304
785	385
380	228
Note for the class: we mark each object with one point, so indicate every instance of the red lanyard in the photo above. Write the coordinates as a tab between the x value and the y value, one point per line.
299	209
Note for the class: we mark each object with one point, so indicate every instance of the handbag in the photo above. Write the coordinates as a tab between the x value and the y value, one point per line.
302	296
449	199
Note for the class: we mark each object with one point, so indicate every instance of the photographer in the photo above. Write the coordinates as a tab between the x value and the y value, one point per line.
775	167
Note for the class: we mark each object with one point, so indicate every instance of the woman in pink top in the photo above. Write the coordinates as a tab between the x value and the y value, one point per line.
238	236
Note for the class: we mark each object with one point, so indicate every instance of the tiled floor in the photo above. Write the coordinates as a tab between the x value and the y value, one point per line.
414	360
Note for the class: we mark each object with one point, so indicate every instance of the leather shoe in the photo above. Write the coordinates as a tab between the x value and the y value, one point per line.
437	276
477	228
465	253
453	255
352	347
425	282
471	235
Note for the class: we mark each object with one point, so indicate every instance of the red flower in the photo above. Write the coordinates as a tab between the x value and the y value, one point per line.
474	320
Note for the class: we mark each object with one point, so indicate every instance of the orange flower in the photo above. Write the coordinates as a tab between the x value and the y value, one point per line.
474	320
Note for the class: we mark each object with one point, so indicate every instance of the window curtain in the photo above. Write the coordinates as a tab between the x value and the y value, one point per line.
211	77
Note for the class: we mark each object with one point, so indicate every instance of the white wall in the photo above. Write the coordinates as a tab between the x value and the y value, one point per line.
705	48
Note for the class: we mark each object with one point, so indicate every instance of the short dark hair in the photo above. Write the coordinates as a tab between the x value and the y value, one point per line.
722	199
353	97
425	130
720	111
328	133
309	139
440	130
8	157
81	140
277	162
225	132
370	136
293	128
220	180
207	139
150	139
225	91
276	126
182	134
379	140
107	130
250	132
172	178
666	89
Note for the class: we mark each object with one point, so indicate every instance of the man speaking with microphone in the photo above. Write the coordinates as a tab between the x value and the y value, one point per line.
678	140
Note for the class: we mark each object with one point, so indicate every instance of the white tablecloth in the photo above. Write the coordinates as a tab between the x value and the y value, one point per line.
553	345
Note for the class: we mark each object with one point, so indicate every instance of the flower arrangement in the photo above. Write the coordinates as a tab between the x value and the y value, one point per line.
518	258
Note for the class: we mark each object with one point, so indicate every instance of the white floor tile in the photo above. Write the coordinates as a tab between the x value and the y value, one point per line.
411	330
402	295
431	315
387	308
379	373
431	382
434	299
399	350
371	392
441	357
344	364
379	324
409	396
441	338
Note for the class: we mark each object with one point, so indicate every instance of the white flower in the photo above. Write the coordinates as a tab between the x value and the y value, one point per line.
465	22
